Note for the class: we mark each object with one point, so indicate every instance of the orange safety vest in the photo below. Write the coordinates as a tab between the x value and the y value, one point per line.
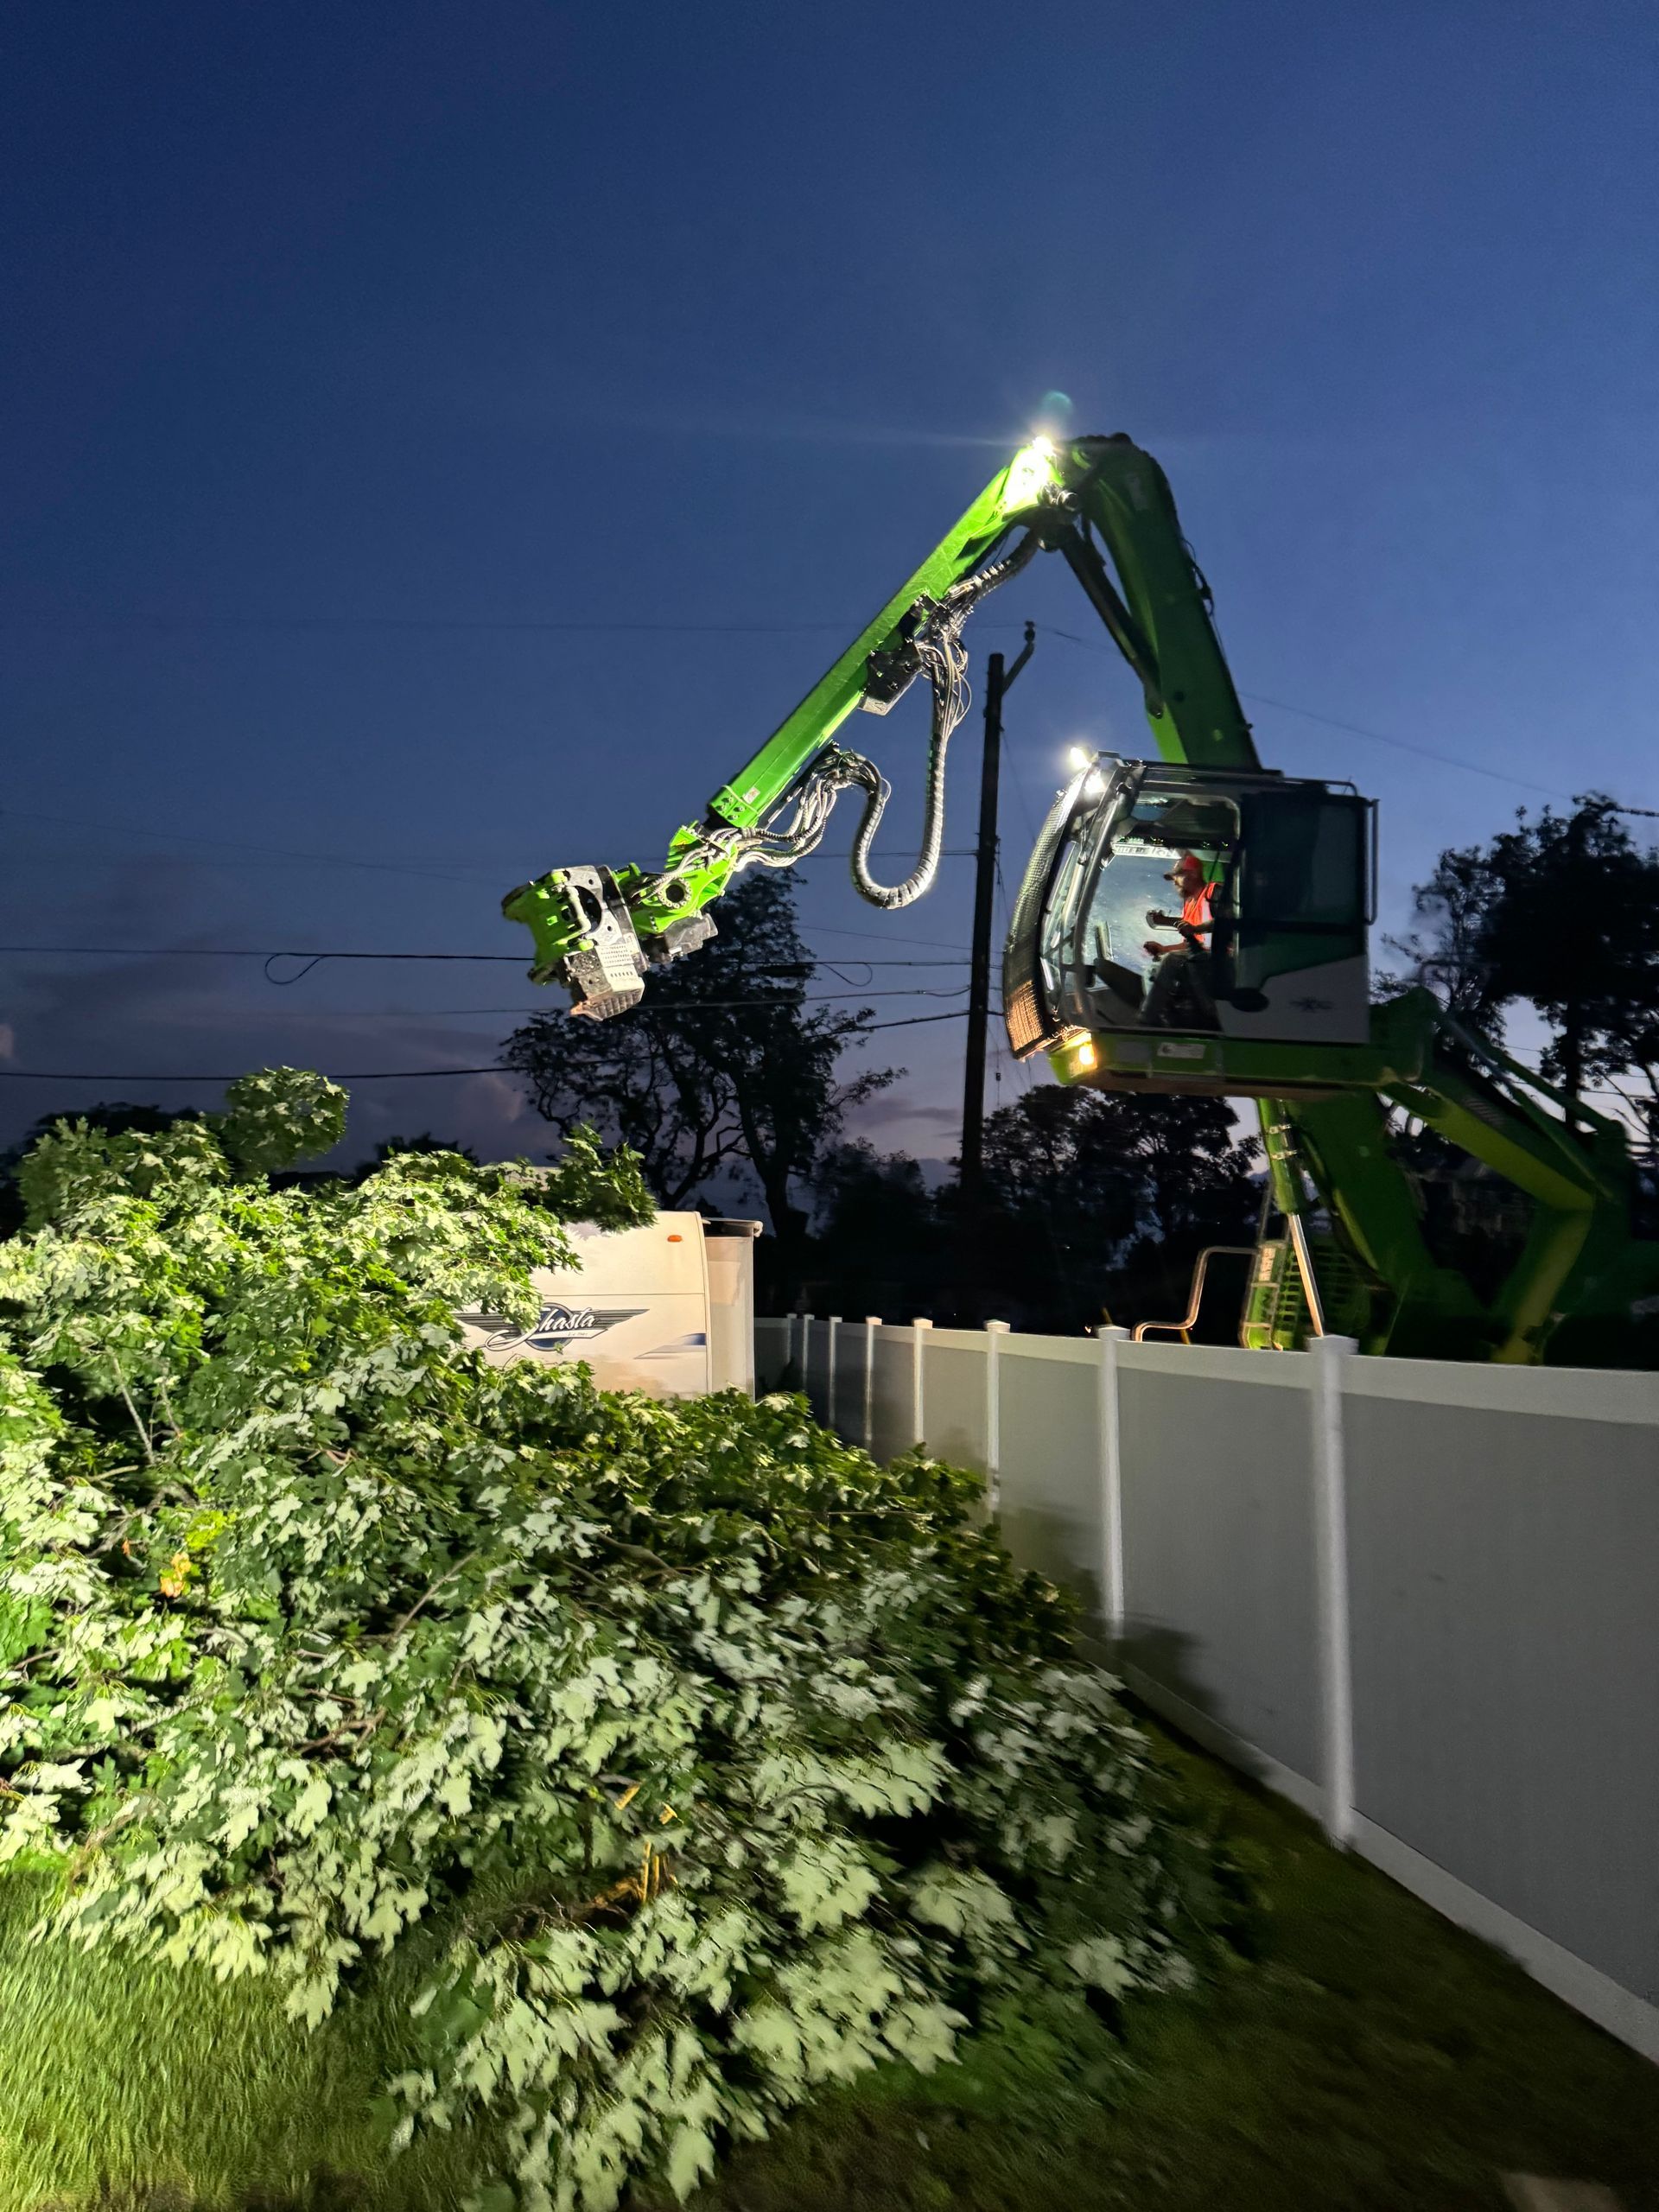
1195	911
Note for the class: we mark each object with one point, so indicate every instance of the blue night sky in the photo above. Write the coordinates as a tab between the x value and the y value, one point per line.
352	350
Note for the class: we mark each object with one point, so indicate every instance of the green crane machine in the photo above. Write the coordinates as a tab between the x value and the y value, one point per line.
1264	993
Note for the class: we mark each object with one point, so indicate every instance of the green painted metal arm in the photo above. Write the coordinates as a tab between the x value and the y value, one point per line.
1158	608
595	928
1010	498
591	925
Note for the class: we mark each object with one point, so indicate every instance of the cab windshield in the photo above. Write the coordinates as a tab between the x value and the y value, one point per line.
1145	875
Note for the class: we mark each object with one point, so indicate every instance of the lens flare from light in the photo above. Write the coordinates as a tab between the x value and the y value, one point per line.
1030	473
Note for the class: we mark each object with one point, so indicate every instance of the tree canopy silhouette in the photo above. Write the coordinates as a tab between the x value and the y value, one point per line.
1561	913
723	1064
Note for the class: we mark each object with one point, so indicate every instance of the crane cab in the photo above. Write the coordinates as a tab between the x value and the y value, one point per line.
1180	925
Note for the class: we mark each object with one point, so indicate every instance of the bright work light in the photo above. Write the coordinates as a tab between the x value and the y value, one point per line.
1030	472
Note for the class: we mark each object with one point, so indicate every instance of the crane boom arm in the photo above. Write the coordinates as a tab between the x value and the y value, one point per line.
1158	609
597	929
1105	506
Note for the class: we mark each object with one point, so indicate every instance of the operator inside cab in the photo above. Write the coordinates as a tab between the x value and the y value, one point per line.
1183	971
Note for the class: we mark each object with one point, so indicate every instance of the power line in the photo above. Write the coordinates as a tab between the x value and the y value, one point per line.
530	625
914	1020
369	1075
452	1013
252	853
248	855
671	1010
237	952
277	624
888	937
1404	745
163	623
1359	729
514	959
379	1075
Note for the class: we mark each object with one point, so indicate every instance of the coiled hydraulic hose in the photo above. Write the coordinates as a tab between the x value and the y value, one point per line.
940	650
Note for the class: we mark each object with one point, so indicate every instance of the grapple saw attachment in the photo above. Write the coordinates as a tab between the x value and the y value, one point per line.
586	937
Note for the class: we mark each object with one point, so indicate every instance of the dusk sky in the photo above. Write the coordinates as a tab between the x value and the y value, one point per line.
442	441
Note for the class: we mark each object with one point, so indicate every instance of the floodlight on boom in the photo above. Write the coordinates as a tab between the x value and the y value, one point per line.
1030	473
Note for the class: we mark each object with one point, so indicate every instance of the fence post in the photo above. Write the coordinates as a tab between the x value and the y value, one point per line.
872	1323
994	1332
918	1403
789	1357
833	1324
1330	1585
1112	1599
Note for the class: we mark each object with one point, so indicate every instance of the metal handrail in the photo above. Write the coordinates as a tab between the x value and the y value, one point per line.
1183	1329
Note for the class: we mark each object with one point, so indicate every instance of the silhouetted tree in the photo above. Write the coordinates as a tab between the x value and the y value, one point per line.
1094	1204
1107	1200
1561	913
722	1065
389	1148
880	1245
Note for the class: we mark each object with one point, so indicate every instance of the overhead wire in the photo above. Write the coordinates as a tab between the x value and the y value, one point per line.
258	952
1404	745
276	623
251	853
455	1013
436	624
1375	736
950	696
268	857
362	1075
381	1075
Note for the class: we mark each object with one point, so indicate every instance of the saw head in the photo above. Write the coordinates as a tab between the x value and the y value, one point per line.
587	939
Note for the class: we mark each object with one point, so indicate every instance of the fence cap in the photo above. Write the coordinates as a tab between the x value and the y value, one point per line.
999	1328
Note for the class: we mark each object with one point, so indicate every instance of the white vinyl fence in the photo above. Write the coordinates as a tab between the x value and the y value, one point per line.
1419	1599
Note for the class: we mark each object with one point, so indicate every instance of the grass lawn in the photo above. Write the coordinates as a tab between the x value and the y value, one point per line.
1367	2057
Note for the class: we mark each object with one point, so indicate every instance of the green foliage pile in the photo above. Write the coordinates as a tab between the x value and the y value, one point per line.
693	1759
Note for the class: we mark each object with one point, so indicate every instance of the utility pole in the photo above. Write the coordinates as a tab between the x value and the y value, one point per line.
1580	967
998	682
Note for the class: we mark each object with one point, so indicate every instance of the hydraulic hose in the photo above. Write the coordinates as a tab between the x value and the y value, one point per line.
939	648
